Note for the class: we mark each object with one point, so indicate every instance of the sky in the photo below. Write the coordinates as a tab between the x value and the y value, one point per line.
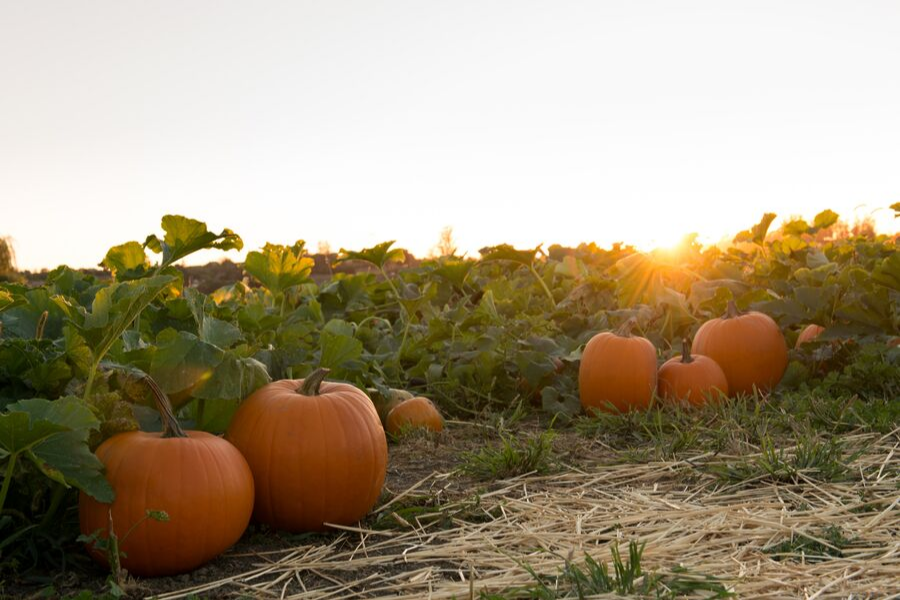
522	122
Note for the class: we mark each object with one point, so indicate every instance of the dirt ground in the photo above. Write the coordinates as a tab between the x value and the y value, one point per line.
437	533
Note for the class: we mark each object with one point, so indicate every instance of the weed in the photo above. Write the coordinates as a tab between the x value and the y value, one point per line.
512	457
830	543
813	458
627	577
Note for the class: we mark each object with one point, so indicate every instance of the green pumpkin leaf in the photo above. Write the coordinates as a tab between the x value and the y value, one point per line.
795	227
126	261
114	308
887	273
825	219
338	344
23	315
54	435
757	233
280	267
234	378
185	236
8	300
378	255
555	402
508	253
183	362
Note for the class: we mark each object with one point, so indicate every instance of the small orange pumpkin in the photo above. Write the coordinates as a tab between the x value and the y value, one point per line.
617	371
694	378
749	347
809	333
317	451
200	480
384	404
418	413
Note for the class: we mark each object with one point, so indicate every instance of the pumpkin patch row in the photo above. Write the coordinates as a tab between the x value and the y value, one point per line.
735	354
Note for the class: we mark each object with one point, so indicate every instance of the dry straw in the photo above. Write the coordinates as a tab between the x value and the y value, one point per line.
684	515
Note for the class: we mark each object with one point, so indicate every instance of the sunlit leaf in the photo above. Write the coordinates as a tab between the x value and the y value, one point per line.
185	236
825	219
279	267
378	255
757	233
509	253
126	261
796	227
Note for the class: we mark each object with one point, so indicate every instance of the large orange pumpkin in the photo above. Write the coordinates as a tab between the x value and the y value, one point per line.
617	371
691	377
749	347
198	479
809	333
317	451
415	413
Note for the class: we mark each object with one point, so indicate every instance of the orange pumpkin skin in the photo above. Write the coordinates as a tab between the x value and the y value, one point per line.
418	413
749	347
691	377
809	333
201	481
316	459
617	372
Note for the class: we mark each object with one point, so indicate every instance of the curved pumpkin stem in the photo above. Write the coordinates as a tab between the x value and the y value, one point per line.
686	351
732	311
171	427
627	327
310	386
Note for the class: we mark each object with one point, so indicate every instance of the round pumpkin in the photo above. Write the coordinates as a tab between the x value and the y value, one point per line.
617	371
691	377
317	451
809	333
385	403
415	413
199	480
748	346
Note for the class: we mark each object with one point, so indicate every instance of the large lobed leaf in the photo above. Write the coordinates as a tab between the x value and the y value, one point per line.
54	435
279	267
114	308
185	236
378	255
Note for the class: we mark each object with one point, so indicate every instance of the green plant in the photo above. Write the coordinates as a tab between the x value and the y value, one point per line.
514	456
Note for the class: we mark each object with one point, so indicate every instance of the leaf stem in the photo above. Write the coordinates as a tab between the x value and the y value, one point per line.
403	340
59	493
42	322
89	385
543	284
10	469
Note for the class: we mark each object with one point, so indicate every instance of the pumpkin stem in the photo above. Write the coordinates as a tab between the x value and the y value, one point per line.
171	427
627	327
686	351
310	386
732	311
